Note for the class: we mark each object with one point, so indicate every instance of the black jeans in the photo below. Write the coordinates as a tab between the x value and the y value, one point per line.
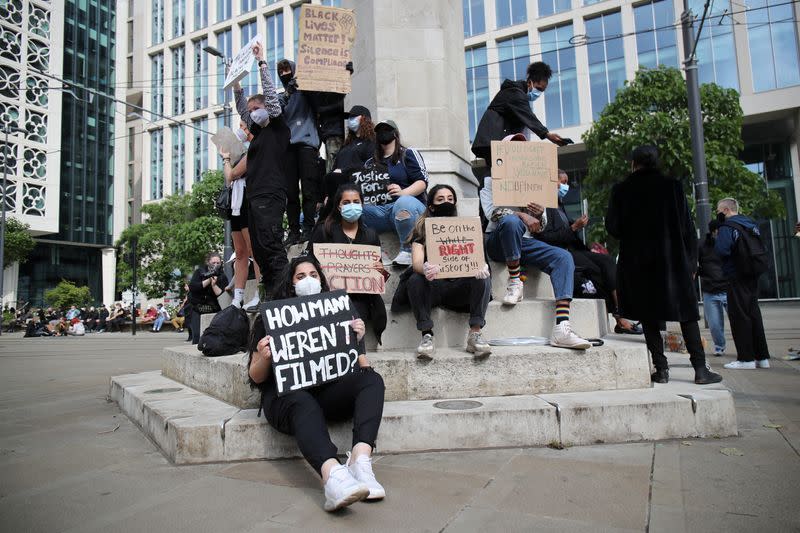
747	327
265	220
456	294
194	329
302	170
602	270
691	336
304	413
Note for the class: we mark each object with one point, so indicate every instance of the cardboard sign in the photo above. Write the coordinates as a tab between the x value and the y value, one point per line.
524	172
351	267
226	141
326	36
374	183
456	245
242	62
312	342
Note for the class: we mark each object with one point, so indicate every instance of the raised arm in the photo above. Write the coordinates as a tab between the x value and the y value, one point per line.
267	86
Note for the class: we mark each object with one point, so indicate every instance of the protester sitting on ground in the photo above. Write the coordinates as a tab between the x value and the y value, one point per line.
648	213
303	413
116	318
76	328
179	316
409	179
162	315
512	238
345	225
600	269
204	288
747	326
102	318
422	289
73	312
714	286
91	322
150	315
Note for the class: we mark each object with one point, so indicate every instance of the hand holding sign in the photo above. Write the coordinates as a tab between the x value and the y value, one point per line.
430	270
258	51
263	349
455	246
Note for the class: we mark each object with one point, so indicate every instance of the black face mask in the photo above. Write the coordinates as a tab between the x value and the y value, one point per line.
384	137
447	209
720	217
286	78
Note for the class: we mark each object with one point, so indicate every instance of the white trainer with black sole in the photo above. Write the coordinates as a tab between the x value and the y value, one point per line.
564	337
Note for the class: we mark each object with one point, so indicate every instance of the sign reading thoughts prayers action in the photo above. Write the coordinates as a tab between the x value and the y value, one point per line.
326	36
524	172
374	183
351	267
455	244
242	62
312	341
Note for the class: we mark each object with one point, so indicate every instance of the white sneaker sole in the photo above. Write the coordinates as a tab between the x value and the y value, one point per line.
424	356
348	499
479	353
508	301
376	495
739	367
580	346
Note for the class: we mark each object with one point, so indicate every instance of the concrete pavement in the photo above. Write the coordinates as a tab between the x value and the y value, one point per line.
70	461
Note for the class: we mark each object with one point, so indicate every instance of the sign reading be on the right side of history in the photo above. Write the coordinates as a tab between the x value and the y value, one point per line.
323	50
524	172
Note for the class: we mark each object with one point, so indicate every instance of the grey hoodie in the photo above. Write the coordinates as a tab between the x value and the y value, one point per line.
299	116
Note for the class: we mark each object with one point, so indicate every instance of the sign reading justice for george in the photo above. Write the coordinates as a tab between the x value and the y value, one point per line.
374	184
326	36
524	172
455	244
351	267
312	341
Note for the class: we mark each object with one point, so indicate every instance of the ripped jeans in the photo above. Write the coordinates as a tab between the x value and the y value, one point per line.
400	216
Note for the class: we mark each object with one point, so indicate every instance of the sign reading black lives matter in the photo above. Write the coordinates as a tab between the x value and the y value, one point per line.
312	341
374	183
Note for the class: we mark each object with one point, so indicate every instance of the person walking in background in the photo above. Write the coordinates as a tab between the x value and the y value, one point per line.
737	235
649	215
714	286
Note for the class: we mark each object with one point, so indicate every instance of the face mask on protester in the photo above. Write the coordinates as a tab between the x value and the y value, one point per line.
533	95
446	209
260	117
563	189
307	286
285	79
353	123
240	134
384	137
351	212
720	217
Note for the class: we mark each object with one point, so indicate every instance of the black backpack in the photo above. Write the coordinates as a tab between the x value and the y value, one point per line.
750	255
227	334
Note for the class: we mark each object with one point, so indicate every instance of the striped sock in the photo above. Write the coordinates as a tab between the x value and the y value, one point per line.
513	273
562	312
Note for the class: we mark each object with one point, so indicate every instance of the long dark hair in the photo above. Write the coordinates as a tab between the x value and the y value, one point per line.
366	131
395	156
419	226
335	216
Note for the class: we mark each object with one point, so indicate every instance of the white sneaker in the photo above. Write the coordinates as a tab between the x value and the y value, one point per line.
477	345
342	489
564	337
762	363
741	365
426	348
402	258
236	303
252	303
361	469
513	292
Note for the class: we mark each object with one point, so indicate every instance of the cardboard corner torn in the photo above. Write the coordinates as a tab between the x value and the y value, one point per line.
524	172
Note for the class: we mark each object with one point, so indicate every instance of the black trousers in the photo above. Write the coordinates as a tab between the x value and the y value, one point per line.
194	329
747	327
602	270
265	220
302	170
691	336
304	413
456	294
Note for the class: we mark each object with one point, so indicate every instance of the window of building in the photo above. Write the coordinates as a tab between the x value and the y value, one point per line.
656	46
157	7
332	3
249	5
200	14
157	85
178	17
156	164
200	148
549	7
224	10
474	17
178	134
772	34
477	86
510	12
716	52
296	22
224	45
590	2
178	80
561	96
200	74
250	83
606	59
274	44
514	55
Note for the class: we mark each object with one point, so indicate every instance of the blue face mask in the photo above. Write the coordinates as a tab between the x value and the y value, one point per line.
563	189
353	123
351	212
533	94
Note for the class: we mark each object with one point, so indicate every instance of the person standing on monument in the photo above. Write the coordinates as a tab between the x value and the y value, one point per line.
649	215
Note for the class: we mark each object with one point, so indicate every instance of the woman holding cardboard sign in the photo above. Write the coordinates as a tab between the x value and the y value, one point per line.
303	413
422	289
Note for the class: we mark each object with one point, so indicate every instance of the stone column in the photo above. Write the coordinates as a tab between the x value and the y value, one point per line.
109	272
409	67
10	282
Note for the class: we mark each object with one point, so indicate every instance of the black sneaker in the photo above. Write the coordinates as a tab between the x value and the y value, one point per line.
660	376
704	376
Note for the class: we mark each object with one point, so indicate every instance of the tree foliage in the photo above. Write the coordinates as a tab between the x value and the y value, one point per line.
175	236
66	293
653	109
18	242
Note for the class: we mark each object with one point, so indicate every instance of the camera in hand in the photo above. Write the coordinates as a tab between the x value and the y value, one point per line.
212	272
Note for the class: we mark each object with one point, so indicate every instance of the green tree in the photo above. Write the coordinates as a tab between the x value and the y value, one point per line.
18	242
653	109
175	236
66	293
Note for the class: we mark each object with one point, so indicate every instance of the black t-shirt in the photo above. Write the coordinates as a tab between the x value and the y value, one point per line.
266	159
354	155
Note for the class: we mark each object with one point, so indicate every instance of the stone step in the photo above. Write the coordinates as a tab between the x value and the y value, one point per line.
451	374
192	427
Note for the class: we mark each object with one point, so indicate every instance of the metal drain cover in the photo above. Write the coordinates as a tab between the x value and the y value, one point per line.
161	391
458	405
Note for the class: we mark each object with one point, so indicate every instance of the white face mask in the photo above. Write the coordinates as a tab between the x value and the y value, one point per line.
240	134
260	117
307	286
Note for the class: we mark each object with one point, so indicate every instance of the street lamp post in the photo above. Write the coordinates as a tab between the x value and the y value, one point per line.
6	149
